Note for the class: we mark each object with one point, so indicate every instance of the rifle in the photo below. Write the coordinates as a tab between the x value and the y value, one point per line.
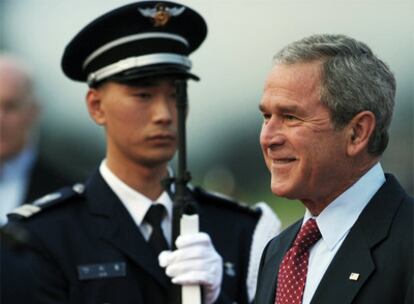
185	217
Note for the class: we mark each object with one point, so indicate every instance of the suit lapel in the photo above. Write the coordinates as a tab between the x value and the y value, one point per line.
119	229
355	254
274	256
353	260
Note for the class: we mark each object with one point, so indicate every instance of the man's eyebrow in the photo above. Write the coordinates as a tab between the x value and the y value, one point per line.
281	108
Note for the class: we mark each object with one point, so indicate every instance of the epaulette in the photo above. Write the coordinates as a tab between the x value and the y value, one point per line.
45	202
224	201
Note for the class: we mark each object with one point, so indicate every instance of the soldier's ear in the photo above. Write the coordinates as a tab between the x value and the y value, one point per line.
95	106
360	130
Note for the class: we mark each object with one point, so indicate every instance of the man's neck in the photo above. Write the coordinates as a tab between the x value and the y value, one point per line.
144	179
316	206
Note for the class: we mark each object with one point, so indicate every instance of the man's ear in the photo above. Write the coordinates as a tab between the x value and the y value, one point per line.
95	106
359	132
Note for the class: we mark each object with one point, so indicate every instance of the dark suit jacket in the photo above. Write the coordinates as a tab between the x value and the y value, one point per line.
85	248
379	247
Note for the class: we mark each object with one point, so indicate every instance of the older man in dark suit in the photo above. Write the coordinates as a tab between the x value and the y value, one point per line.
327	107
25	174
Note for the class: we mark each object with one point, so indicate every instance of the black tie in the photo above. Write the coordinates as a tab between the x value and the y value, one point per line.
157	239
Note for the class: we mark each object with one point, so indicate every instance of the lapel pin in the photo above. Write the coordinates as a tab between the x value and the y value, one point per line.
229	269
354	276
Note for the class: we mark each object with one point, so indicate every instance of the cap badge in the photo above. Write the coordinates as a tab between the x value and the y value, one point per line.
161	14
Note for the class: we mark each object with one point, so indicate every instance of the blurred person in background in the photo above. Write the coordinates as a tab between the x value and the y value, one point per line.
24	174
327	107
107	241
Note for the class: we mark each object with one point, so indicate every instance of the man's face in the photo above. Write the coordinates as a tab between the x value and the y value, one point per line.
302	150
140	121
17	114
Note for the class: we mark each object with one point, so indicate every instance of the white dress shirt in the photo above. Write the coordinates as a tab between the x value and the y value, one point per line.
334	223
138	204
14	181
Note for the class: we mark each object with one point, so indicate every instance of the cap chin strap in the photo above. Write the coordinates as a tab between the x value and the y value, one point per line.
136	62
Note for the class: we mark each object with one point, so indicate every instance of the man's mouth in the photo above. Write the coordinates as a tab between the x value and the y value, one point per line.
284	160
162	137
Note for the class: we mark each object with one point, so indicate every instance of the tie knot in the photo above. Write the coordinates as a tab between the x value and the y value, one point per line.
155	215
308	235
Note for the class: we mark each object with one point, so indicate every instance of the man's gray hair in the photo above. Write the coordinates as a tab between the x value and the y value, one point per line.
353	79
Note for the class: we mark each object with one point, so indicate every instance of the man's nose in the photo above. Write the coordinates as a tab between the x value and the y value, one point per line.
272	133
163	110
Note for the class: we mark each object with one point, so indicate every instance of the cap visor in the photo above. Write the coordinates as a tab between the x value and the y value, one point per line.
152	71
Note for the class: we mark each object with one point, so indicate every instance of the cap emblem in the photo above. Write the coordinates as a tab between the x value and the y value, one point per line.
161	14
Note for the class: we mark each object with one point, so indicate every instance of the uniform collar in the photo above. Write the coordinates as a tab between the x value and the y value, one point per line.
339	216
135	202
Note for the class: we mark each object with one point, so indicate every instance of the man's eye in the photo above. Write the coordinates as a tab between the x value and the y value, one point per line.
12	106
266	116
289	117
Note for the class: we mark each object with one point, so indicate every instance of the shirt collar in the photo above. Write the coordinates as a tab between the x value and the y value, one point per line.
19	165
135	202
339	216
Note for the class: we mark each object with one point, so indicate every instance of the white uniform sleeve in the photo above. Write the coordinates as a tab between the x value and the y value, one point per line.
267	228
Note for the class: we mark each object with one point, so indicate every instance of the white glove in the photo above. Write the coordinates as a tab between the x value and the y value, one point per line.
195	262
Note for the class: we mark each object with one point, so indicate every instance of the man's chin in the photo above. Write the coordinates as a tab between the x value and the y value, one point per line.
282	189
158	160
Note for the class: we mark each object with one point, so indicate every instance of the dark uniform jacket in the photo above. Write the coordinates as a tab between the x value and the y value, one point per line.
85	248
44	179
379	247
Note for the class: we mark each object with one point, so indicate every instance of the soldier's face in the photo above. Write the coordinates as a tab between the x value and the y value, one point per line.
140	120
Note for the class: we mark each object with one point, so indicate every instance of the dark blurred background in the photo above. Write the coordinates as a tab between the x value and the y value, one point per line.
224	122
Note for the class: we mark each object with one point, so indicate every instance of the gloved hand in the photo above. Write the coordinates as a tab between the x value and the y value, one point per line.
195	262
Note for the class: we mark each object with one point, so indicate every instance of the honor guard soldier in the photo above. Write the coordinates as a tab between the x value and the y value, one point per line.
99	242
